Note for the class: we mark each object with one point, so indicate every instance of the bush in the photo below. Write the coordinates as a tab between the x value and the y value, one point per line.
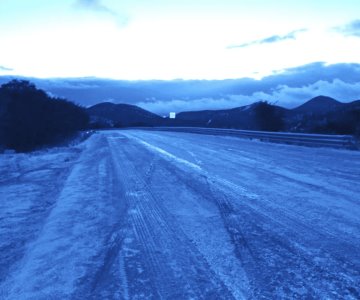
30	118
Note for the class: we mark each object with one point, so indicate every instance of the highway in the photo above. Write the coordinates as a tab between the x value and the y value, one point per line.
133	214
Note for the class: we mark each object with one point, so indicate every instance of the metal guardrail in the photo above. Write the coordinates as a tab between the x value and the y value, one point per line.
315	140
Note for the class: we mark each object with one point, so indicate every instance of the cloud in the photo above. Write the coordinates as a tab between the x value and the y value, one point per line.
164	107
5	69
282	95
99	7
94	5
269	40
350	29
288	88
313	72
293	96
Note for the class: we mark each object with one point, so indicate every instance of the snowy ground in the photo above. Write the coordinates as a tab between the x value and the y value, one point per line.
162	215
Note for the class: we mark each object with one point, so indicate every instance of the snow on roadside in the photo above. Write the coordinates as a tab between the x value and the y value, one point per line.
29	184
55	262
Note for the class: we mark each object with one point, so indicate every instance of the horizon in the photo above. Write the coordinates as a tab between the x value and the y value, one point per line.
165	113
250	104
289	89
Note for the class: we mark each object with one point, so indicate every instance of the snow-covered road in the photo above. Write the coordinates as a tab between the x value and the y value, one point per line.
164	215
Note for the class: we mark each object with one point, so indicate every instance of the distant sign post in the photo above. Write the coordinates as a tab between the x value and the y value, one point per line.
172	115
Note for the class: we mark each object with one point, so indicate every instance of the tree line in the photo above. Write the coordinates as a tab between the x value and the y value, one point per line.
30	118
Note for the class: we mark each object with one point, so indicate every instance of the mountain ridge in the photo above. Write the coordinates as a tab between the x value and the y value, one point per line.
320	114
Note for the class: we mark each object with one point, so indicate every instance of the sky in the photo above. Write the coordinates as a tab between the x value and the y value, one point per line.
179	39
210	54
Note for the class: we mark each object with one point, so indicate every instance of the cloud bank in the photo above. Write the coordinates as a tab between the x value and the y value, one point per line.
282	95
350	29
289	88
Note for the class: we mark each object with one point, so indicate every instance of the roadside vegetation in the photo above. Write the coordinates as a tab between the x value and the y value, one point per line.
30	118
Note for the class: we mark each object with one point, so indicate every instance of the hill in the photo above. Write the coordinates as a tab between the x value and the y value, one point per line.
318	105
325	115
318	115
244	117
121	115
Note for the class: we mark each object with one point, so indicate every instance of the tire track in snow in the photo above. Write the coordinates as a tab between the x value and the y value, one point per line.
176	252
282	256
235	286
143	206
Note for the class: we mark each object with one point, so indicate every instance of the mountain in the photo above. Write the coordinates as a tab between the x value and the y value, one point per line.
318	115
257	116
244	117
121	115
325	115
318	105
